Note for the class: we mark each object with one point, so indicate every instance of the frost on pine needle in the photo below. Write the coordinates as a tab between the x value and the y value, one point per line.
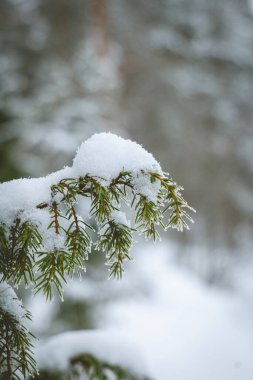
43	239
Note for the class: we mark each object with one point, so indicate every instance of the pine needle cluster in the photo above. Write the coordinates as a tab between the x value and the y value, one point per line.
16	359
22	245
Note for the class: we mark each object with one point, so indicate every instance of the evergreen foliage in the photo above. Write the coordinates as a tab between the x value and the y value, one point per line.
16	360
24	256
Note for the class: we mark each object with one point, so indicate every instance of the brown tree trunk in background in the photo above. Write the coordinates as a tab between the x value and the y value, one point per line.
99	17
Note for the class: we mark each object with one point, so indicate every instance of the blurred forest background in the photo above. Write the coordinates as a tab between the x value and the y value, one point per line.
177	77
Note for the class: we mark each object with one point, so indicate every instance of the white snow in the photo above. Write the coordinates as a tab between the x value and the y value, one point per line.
26	193
120	217
186	330
10	303
143	186
106	155
112	347
102	155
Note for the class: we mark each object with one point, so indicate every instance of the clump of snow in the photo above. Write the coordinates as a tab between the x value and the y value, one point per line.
143	185
120	218
106	155
10	303
26	193
112	347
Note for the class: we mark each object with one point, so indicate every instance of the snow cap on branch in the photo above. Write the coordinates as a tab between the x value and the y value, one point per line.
106	155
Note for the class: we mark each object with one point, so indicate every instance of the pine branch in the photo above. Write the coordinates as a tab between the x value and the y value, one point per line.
23	241
16	360
44	254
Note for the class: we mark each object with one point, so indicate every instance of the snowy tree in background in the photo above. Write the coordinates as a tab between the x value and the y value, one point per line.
44	241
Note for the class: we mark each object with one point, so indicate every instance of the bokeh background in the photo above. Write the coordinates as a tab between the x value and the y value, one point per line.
177	77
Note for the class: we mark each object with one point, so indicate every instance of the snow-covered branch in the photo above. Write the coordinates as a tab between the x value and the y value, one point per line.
43	239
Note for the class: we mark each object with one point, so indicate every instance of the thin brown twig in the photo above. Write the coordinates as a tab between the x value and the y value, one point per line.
75	217
56	222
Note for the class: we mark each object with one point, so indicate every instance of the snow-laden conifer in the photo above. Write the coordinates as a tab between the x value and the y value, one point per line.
43	239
